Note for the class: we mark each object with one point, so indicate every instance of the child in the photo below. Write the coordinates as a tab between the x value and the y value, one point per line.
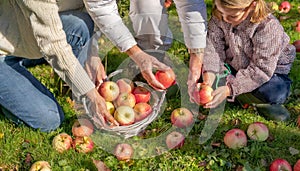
244	36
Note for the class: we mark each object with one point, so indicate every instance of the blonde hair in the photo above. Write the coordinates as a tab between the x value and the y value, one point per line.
260	12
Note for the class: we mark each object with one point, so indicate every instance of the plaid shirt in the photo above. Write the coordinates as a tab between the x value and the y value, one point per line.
255	50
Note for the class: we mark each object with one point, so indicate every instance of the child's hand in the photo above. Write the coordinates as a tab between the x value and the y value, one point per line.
219	95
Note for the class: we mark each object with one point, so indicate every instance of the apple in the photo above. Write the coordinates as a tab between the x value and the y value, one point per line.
175	140
110	107
235	138
62	142
83	144
182	117
125	85
280	165
284	7
168	3
296	43
124	115
297	166
202	93
109	90
141	110
166	78
40	166
273	5
125	99
297	26
258	131
123	152
82	127
141	94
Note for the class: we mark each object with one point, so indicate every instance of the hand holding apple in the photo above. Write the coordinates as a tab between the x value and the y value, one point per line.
166	78
202	93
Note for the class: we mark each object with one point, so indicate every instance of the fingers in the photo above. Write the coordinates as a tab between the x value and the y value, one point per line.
160	66
150	78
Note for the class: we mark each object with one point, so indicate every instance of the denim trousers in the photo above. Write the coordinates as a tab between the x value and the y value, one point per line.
24	99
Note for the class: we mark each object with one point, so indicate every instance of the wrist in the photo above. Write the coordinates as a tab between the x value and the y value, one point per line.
133	50
197	51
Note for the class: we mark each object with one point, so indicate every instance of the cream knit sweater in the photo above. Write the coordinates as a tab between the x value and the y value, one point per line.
32	29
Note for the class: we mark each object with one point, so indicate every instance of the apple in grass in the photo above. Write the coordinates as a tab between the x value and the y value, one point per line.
280	165
124	115
109	90
235	138
62	142
141	110
123	152
175	140
125	99
297	166
82	127
182	117
166	78
40	166
284	7
125	85
83	144
296	43
297	26
202	93
141	94
258	131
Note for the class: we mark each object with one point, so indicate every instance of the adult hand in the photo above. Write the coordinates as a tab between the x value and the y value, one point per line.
219	95
195	67
146	63
98	107
95	70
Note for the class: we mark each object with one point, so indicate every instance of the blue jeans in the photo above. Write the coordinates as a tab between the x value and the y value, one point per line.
25	100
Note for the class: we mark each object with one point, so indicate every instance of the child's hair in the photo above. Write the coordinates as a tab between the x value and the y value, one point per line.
260	12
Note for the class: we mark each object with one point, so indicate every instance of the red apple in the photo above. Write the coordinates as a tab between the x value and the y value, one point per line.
298	26
297	45
83	144
141	94
202	93
62	142
82	127
280	165
142	110
235	138
168	3
123	152
175	140
40	166
182	117
109	90
166	78
297	166
258	131
124	115
125	99
284	7
110	107
125	85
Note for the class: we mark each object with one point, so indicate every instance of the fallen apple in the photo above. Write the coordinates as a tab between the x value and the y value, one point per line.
182	117
284	7
83	144
62	142
141	94
166	78
175	140
296	43
109	90
297	26
123	152
142	110
125	85
235	138
202	93
280	165
40	166
124	115
297	166
110	107
125	99
258	131
82	127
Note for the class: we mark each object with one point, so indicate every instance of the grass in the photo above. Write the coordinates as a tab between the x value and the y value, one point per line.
20	145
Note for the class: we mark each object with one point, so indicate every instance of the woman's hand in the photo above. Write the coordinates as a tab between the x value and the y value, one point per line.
95	70
219	95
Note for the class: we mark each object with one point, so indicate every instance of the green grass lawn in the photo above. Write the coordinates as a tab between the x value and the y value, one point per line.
21	146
